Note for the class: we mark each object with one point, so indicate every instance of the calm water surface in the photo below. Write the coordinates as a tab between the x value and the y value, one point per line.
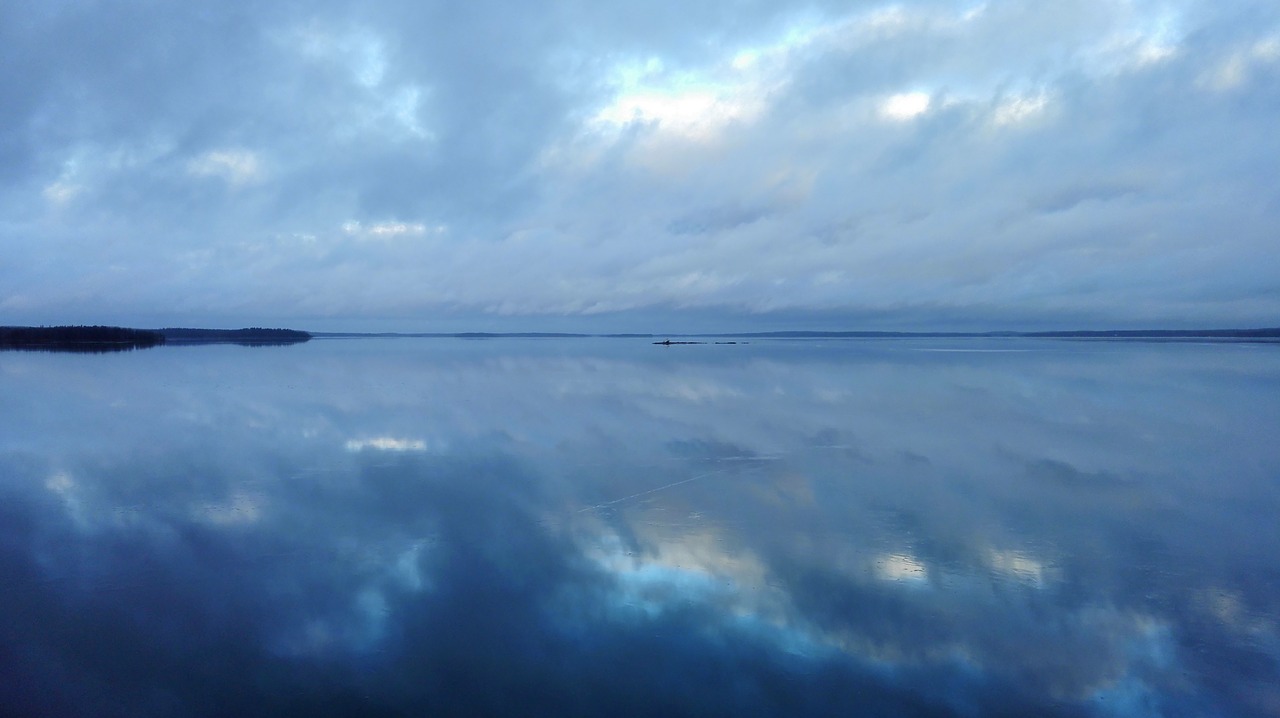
605	527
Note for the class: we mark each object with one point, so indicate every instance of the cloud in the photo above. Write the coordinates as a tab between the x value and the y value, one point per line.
905	106
1020	109
236	167
389	230
387	443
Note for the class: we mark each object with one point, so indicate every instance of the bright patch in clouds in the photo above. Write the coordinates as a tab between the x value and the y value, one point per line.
689	113
60	193
1268	49
905	106
360	52
387	443
1152	53
1021	109
1237	69
1150	42
236	167
688	104
389	230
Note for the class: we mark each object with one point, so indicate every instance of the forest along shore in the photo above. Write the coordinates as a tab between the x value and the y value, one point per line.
78	338
107	339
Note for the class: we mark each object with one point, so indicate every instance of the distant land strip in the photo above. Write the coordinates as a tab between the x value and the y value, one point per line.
1263	333
109	339
78	338
1271	333
252	336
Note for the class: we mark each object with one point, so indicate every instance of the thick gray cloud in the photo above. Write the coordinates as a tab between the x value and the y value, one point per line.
918	163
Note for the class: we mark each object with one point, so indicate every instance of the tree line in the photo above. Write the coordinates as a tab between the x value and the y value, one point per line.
88	338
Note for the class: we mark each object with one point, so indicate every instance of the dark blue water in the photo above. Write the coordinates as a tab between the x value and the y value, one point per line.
605	527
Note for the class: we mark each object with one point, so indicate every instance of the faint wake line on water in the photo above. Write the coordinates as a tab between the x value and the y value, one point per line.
671	485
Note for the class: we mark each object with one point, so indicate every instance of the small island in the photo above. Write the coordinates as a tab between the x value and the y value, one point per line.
252	336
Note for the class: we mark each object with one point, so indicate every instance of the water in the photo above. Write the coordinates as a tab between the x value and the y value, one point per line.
606	527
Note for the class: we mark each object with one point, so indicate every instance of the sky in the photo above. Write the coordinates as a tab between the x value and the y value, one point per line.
658	166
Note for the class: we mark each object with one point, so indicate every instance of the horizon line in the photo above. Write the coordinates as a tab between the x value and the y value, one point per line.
1252	332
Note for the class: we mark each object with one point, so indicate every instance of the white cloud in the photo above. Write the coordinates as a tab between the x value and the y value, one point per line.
1267	49
1236	70
905	106
1020	109
387	443
235	166
689	104
60	193
1139	41
693	113
389	230
359	52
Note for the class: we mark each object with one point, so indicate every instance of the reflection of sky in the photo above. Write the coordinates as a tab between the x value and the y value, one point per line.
567	527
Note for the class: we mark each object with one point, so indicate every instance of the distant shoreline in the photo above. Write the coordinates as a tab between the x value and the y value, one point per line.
78	338
98	339
1263	334
252	336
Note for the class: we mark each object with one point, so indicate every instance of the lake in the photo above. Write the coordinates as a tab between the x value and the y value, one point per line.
396	526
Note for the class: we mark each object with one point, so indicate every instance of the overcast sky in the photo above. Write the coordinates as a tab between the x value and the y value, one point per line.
641	166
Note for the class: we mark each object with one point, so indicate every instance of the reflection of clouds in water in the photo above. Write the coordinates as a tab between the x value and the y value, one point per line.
696	568
931	533
64	487
239	509
693	392
1020	567
900	567
386	443
888	611
1107	649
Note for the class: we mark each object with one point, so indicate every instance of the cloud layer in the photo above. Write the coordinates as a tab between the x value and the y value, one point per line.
1097	161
